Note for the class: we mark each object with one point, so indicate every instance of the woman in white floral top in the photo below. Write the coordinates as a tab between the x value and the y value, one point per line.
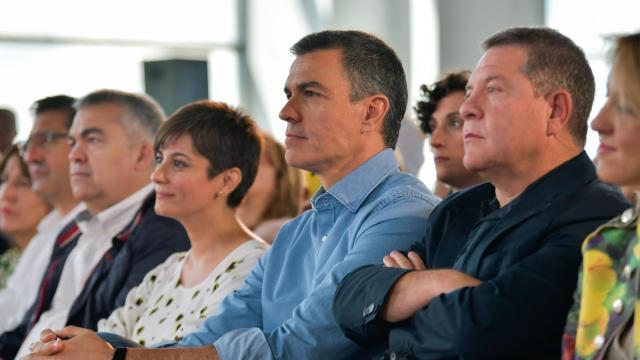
207	157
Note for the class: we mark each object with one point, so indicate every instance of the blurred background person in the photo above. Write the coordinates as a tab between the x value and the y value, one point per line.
7	134
276	195
199	180
20	209
440	121
602	322
46	153
8	130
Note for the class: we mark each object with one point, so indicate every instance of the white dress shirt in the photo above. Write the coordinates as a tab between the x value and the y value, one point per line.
96	238
22	286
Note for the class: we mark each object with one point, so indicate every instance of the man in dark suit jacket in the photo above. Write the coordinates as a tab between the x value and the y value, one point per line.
501	258
111	245
133	254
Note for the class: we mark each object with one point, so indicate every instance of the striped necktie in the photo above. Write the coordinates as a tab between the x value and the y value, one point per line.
65	242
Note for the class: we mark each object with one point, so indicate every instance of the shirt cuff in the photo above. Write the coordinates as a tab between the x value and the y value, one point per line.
359	299
248	343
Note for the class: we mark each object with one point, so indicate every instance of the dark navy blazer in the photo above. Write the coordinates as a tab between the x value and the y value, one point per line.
130	258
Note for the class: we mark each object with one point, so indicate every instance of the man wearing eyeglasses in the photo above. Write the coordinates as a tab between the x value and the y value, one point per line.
46	153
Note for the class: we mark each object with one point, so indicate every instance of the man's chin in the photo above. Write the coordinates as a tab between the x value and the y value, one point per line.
473	166
295	161
42	188
82	194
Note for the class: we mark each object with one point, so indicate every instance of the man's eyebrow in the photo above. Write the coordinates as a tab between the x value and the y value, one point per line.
90	131
310	84
493	77
485	80
306	85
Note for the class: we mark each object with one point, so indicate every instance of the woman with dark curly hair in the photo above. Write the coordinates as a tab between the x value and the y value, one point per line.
439	119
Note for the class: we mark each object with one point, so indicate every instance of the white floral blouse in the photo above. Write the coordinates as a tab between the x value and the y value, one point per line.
160	308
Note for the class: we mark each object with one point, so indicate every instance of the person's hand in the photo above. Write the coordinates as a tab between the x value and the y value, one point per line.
48	335
48	344
411	262
70	343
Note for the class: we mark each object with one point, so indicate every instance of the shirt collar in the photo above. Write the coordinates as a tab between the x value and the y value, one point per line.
55	220
354	188
50	221
112	214
578	170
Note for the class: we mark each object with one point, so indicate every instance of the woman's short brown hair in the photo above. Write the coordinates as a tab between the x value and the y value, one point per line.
224	135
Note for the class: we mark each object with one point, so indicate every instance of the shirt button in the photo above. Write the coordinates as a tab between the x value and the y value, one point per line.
598	341
626	272
617	306
324	238
368	310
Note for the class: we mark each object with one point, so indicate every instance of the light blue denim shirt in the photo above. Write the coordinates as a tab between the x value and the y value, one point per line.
284	309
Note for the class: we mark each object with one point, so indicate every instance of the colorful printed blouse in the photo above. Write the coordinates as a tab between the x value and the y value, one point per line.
8	261
160	308
606	298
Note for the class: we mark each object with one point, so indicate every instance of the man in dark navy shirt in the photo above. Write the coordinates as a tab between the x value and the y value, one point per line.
494	276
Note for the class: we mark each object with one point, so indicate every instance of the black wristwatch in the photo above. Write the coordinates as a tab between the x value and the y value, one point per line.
120	353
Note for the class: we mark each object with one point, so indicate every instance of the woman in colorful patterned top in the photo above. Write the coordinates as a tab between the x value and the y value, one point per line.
207	157
20	209
603	323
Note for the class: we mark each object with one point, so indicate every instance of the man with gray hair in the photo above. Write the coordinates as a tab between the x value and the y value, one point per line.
119	238
495	272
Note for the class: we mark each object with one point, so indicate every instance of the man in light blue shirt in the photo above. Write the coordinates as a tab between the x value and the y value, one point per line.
346	96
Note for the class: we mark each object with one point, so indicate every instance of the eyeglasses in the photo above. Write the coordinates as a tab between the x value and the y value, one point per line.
43	139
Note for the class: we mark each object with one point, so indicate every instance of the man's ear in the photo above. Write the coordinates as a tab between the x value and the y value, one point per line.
376	109
561	108
144	155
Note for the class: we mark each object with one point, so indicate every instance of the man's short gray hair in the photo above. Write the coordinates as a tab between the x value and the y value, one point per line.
144	112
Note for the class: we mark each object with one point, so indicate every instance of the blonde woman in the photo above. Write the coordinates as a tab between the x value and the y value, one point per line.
603	323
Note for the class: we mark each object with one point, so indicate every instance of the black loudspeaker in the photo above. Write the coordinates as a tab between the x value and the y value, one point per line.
176	82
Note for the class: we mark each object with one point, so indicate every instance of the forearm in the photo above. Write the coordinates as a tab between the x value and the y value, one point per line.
197	353
416	289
